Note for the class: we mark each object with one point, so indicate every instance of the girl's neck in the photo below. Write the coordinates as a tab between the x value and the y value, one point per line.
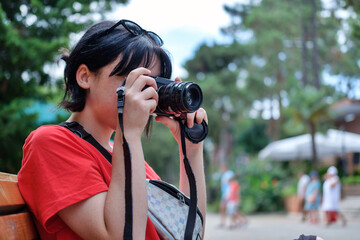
99	131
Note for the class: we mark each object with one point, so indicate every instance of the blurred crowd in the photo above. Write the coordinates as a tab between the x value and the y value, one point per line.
313	195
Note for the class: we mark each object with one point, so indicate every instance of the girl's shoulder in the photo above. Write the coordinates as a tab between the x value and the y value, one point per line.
49	136
48	132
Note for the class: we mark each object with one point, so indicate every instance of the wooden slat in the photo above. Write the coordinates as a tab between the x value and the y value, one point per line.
17	226
10	197
15	222
8	176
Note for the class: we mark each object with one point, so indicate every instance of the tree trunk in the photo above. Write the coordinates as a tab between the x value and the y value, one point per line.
315	63
280	87
221	152
304	51
313	145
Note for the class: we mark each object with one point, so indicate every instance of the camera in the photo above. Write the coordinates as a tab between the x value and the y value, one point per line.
177	97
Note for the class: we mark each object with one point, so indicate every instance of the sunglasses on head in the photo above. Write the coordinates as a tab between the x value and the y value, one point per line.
136	30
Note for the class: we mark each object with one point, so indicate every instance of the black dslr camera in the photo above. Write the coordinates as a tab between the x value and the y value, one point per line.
177	97
181	98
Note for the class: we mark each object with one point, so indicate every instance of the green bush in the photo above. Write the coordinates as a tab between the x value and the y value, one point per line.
289	190
261	183
351	180
261	187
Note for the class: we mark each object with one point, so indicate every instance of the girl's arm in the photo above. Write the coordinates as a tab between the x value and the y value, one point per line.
194	154
102	216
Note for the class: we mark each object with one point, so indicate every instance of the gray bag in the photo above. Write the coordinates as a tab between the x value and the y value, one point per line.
168	211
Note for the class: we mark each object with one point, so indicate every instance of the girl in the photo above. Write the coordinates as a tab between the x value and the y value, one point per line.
71	189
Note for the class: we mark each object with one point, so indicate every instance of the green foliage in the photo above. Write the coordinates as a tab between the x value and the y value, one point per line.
351	180
309	104
262	184
162	153
32	32
252	136
355	6
265	65
289	190
15	126
261	187
274	50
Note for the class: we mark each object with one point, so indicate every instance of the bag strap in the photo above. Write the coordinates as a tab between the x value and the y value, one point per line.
76	128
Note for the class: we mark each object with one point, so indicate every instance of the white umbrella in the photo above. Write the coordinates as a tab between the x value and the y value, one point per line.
346	141
333	143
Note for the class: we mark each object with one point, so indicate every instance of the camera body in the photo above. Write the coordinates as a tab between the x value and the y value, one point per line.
177	97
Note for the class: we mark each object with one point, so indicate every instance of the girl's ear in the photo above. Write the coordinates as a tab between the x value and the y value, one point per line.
83	75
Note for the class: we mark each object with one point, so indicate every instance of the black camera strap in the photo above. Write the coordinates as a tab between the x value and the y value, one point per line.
128	228
190	224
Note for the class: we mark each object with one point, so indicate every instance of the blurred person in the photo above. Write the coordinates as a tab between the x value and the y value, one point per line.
304	180
332	196
313	198
233	200
226	175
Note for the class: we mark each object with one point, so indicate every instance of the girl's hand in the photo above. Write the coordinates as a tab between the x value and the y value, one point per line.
173	125
140	103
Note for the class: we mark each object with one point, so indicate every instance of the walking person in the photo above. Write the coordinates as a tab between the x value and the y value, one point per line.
227	174
313	198
233	200
332	197
304	180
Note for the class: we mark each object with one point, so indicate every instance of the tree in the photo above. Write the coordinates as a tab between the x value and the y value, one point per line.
213	69
355	20
276	46
32	32
310	105
344	59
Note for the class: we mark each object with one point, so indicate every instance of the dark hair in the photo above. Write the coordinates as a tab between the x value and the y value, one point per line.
96	50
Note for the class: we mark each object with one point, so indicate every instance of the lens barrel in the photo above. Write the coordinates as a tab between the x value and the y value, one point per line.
178	97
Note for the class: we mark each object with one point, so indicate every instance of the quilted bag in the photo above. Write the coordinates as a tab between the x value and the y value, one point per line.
168	211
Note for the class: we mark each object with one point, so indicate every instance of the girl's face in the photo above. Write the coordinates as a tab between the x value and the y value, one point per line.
101	96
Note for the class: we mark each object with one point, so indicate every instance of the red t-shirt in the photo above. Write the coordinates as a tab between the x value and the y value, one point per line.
60	169
234	189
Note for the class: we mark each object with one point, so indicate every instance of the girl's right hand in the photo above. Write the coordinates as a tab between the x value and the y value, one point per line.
140	103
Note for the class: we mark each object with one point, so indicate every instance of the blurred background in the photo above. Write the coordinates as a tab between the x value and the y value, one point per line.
270	70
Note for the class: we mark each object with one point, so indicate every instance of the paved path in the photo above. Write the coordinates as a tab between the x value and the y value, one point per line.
281	227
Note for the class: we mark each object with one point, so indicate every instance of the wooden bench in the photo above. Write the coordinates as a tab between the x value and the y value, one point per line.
15	221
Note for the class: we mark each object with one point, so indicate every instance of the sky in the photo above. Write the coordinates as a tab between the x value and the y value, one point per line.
183	25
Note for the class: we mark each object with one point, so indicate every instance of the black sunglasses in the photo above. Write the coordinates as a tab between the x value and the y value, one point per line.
136	30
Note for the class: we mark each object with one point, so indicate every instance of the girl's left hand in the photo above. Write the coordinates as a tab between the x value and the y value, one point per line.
197	116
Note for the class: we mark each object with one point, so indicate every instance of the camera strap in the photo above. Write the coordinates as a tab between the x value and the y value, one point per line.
190	224
128	228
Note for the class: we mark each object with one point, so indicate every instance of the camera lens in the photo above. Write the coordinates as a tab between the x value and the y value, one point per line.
179	97
193	97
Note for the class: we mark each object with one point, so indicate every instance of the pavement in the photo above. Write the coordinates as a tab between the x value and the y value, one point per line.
288	226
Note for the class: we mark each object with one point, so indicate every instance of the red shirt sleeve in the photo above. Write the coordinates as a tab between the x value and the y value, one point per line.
59	169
